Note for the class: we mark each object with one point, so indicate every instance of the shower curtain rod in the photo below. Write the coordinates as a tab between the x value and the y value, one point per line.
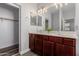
7	19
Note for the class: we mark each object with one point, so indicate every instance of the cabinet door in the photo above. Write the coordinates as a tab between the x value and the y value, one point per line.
31	41
69	51
59	51
38	45
64	50
48	48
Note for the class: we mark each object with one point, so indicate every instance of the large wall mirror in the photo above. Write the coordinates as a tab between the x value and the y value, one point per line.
68	17
52	16
55	25
61	17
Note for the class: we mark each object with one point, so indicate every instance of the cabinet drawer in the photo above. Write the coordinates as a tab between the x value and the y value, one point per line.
55	39
69	41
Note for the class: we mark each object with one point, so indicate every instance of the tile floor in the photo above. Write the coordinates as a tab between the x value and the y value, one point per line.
29	53
9	52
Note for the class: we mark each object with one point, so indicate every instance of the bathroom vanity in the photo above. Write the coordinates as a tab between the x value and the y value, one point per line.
60	42
52	44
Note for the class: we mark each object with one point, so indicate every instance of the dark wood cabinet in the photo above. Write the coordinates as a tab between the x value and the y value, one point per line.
52	45
69	50
70	46
45	37
64	50
38	44
69	41
52	38
31	41
59	49
48	48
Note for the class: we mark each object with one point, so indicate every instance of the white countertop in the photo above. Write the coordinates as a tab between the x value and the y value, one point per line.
58	33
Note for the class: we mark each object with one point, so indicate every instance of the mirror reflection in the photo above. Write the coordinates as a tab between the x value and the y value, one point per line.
61	17
68	17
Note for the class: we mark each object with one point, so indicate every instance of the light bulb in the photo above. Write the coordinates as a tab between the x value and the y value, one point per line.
33	13
45	9
40	11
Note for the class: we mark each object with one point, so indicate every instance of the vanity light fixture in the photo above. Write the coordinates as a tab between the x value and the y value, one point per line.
44	10
39	12
33	13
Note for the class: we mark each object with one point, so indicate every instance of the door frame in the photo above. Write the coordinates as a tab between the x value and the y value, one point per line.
16	5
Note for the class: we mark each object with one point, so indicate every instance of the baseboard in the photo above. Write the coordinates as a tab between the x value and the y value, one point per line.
24	51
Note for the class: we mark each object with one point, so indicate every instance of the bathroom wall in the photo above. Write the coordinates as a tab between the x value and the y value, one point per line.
8	29
26	27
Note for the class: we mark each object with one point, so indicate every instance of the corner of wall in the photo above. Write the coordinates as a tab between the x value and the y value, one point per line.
24	51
